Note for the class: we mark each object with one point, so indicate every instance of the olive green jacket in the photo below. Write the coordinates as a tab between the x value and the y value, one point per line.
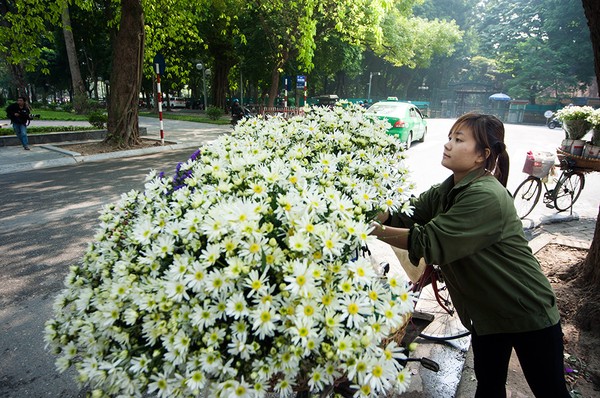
473	232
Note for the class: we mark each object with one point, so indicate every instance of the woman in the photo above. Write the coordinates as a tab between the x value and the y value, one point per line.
468	225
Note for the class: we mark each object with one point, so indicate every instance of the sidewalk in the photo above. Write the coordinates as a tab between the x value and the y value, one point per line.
184	134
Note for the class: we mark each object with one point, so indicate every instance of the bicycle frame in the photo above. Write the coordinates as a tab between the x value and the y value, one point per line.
565	193
446	325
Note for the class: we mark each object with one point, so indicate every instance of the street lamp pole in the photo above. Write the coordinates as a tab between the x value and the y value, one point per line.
205	72
370	80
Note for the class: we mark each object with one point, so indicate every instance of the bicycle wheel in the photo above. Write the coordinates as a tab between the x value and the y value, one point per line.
527	195
445	325
567	190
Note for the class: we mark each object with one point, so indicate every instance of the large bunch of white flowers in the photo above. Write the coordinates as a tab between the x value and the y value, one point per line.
241	275
574	113
594	118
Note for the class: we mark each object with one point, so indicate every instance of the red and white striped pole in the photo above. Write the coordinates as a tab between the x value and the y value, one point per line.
305	91
160	115
285	93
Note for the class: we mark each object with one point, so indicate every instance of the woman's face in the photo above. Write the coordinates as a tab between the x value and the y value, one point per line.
460	152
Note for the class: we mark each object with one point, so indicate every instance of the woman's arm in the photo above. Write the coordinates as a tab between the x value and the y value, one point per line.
393	236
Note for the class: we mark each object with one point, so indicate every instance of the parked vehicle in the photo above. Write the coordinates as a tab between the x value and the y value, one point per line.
328	100
408	123
176	102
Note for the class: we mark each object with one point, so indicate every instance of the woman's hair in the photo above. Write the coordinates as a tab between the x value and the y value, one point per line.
488	131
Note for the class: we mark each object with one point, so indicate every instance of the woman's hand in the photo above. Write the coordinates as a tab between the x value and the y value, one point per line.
393	236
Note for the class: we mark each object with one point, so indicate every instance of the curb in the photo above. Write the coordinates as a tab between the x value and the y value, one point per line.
75	157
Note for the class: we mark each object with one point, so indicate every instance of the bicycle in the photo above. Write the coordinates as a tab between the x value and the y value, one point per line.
565	193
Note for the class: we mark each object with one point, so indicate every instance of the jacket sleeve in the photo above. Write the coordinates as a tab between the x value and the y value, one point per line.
473	222
423	208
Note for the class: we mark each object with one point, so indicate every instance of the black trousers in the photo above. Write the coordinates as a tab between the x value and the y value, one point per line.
540	354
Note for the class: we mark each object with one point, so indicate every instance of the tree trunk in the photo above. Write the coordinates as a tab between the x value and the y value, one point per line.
126	77
592	13
220	83
18	76
79	92
591	268
590	273
275	77
274	86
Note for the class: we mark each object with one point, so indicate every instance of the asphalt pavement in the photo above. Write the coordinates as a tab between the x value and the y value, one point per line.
455	378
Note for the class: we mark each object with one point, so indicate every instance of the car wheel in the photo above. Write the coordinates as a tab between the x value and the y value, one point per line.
409	140
424	134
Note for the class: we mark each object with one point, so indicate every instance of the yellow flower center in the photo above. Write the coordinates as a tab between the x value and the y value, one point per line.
377	371
265	316
361	367
301	280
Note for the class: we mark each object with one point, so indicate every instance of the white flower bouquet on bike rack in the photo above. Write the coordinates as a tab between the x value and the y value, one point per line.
240	275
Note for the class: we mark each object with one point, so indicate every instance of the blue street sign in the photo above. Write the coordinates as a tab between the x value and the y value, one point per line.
300	80
160	61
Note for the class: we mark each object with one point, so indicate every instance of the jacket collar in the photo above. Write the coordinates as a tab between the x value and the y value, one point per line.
449	190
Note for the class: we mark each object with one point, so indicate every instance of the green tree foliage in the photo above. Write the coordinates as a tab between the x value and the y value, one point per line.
23	27
542	45
412	41
533	48
171	28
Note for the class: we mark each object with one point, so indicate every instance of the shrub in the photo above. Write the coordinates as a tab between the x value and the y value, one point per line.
67	107
214	113
93	105
98	119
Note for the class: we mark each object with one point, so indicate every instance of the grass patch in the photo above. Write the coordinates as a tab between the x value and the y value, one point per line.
47	129
189	118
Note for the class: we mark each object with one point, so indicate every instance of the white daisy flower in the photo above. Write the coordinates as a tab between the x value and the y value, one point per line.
236	306
264	320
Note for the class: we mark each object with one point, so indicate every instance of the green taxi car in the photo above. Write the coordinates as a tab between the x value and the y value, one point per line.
408	123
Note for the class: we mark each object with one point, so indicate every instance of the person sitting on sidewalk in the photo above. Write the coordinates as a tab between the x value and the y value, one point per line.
469	226
19	114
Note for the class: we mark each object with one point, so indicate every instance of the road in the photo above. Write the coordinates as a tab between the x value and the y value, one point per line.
424	160
49	216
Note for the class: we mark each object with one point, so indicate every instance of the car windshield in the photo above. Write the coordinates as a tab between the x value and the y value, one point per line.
387	108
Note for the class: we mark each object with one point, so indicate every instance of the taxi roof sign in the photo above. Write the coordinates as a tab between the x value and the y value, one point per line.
392	98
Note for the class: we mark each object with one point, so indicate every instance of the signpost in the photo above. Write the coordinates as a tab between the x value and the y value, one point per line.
301	84
159	67
285	92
